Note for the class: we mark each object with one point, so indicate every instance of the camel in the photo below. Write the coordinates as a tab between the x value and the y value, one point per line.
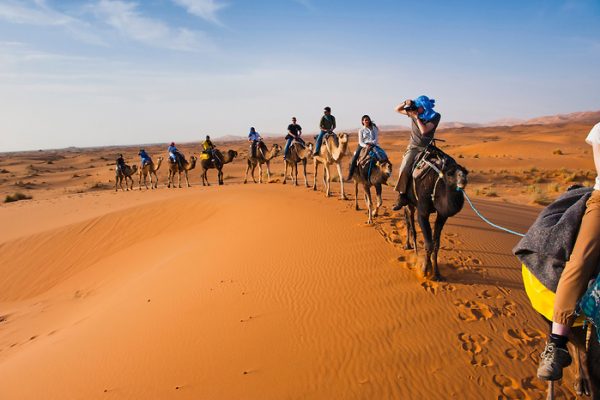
297	153
263	156
372	173
150	169
434	192
331	153
124	174
206	163
174	169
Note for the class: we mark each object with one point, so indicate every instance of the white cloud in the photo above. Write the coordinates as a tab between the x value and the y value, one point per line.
125	18
38	13
205	9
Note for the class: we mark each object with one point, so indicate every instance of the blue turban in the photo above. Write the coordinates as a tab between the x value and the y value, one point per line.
427	104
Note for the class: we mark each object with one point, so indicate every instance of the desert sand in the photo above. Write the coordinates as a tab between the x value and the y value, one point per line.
271	291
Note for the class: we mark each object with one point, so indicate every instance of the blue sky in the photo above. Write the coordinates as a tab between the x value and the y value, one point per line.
105	72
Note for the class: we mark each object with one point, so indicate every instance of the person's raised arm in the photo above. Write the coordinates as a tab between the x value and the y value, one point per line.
400	108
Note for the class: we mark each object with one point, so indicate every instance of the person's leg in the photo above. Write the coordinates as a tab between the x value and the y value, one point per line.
353	163
253	148
288	142
405	169
582	266
319	141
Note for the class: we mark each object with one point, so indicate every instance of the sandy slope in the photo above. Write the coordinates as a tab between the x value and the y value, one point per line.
265	291
255	292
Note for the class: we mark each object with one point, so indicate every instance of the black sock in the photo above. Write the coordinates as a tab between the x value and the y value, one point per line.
559	340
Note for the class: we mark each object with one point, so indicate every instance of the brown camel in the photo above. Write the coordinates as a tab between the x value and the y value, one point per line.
263	156
371	173
174	169
150	169
126	174
207	163
297	153
331	153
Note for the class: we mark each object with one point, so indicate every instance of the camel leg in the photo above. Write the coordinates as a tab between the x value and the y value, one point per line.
326	179
437	233
369	202
268	171
116	183
316	168
304	169
356	207
295	173
179	179
338	165
220	175
379	200
140	181
185	172
285	171
423	219
260	173
246	175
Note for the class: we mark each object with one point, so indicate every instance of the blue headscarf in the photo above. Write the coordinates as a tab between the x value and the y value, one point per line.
427	104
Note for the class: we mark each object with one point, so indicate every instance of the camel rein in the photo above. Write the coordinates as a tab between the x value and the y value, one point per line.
484	219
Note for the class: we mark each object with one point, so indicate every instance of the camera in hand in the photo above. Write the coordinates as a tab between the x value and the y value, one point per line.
411	107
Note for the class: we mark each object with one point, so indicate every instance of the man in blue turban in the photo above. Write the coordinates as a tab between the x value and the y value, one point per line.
424	123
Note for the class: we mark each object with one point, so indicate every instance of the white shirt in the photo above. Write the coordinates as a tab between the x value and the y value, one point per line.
368	136
594	138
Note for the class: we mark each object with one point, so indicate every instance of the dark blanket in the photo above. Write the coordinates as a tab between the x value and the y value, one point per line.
548	244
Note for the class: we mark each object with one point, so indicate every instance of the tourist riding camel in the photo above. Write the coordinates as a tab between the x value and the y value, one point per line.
149	169
369	166
298	153
262	156
294	135
175	169
437	185
327	126
333	151
571	243
256	143
124	172
120	162
209	148
207	162
424	123
144	158
175	156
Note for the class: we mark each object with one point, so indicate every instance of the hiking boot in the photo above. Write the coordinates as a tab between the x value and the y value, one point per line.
554	359
402	201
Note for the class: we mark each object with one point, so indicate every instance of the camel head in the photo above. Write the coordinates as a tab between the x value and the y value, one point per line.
309	149
386	169
343	137
232	154
275	150
455	176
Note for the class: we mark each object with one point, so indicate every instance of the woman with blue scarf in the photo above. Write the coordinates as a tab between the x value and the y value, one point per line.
424	123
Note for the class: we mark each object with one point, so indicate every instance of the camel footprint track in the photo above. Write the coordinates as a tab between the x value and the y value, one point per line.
437	287
510	388
475	345
524	337
470	310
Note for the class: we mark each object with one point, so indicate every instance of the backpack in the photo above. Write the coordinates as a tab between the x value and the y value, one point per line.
589	305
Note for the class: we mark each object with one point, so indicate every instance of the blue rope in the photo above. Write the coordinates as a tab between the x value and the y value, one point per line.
485	219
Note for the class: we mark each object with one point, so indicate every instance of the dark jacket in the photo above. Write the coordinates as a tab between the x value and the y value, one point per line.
548	243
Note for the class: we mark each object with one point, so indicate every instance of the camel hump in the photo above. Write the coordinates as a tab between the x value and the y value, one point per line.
431	156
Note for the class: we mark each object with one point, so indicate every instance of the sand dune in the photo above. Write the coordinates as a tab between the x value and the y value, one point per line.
264	291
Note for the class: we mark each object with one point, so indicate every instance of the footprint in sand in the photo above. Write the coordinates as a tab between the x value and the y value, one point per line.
508	309
469	310
475	346
525	336
510	388
515	354
435	287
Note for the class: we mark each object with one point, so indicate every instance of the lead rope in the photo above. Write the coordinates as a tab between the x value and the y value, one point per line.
487	220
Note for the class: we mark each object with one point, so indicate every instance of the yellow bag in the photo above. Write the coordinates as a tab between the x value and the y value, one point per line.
541	298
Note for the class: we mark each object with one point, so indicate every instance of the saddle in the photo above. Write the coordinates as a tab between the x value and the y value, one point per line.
431	159
367	156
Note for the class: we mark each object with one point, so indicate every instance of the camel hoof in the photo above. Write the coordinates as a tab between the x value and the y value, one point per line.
407	246
344	197
437	278
582	387
357	208
284	182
